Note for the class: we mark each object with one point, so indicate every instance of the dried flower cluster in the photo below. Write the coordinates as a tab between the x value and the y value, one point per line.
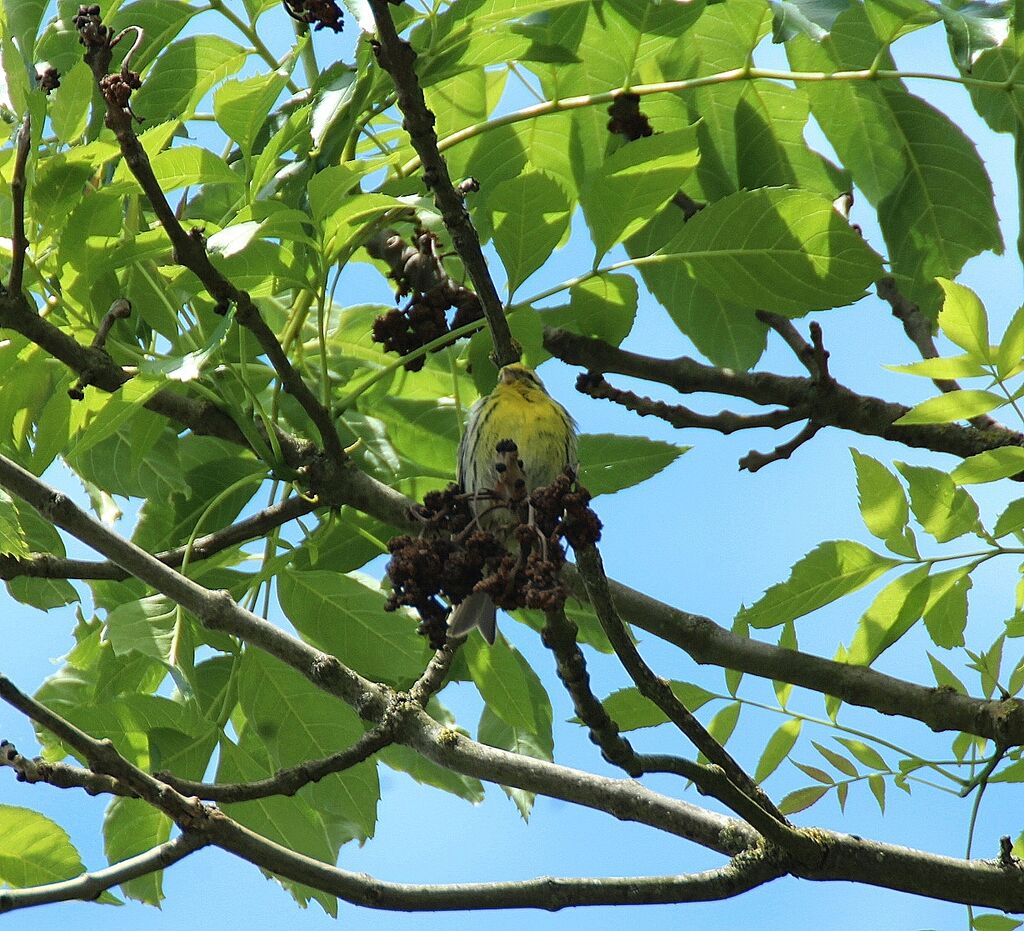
518	563
417	268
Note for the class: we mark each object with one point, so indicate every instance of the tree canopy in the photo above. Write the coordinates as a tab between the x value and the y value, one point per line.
260	260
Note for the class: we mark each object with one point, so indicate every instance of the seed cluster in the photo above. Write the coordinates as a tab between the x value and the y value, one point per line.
320	14
518	563
417	268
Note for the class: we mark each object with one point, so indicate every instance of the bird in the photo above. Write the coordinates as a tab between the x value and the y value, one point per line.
517	439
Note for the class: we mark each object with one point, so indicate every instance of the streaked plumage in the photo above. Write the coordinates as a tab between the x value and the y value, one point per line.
518	409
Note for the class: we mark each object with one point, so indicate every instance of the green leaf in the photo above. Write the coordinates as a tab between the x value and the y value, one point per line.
495	732
963	319
785	251
347	619
130	827
944	677
952	406
34	850
828	572
896	609
531	216
630	710
726	332
777	749
883	504
802	798
634	183
511	688
723	724
295	721
603	307
994	922
68	108
146	626
609	462
12	537
183	74
902	152
190	166
942	509
1011	348
1011	519
812	18
990	466
945	615
839	761
241	106
965	366
974	27
877	785
867	755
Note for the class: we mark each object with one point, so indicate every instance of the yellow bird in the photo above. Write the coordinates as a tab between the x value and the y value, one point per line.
518	409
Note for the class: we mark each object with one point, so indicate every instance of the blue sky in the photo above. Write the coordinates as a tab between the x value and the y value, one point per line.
701	535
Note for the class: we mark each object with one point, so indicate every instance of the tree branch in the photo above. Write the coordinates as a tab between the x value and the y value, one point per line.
836	407
725	422
710	644
45	566
190	249
89	886
60	775
19	241
285	781
397	57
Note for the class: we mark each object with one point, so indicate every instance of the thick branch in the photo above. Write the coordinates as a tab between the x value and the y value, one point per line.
761	812
398	58
710	644
837	406
89	886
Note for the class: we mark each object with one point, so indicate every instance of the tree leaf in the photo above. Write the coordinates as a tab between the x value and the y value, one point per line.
347	619
944	676
781	250
952	406
990	466
963	319
896	609
609	462
241	106
965	366
777	749
945	615
828	572
801	799
634	183
839	761
630	710
511	688
34	850
943	509
1011	519
869	756
530	215
974	27
883	503
812	18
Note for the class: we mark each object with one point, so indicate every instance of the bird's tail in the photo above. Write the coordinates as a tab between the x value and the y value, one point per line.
478	610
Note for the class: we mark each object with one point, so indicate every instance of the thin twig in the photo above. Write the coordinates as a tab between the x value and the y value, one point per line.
45	566
285	782
190	251
87	887
679	416
397	58
19	241
756	460
588	562
60	775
